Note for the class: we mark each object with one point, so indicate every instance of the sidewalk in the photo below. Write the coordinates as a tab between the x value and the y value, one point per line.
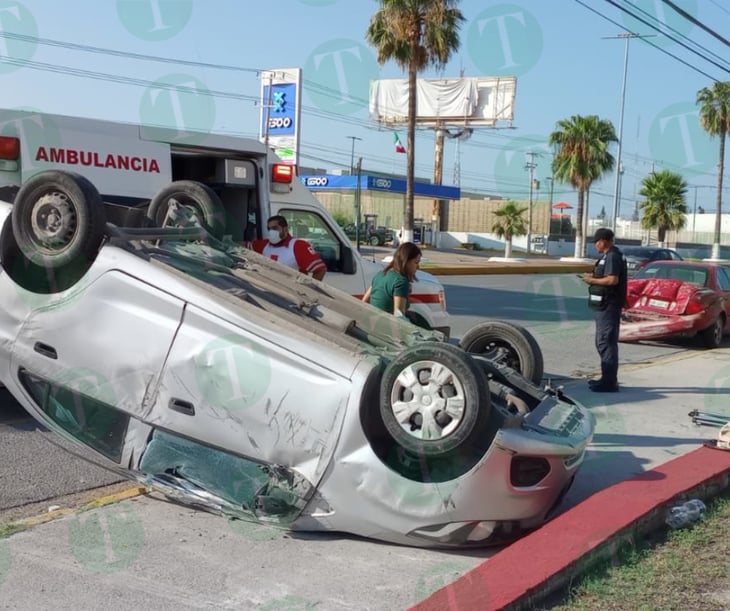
646	428
646	453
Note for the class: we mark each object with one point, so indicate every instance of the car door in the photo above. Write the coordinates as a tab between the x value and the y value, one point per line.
243	385
105	339
312	227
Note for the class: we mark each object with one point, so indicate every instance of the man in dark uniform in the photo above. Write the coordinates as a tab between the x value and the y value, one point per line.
607	297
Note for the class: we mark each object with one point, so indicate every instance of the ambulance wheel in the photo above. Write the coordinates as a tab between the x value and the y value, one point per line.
58	220
507	344
200	199
434	399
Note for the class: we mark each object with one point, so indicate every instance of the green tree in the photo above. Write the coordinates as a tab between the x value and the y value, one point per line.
714	103
415	34
510	223
664	206
582	157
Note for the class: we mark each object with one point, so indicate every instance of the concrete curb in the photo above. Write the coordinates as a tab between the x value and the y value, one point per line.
505	268
592	531
102	501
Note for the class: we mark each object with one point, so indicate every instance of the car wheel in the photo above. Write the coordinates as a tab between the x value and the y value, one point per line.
58	220
712	336
198	198
434	399
507	344
374	240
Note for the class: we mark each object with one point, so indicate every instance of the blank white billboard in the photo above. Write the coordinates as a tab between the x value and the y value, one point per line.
469	102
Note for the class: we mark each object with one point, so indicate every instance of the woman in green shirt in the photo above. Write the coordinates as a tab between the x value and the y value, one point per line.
390	288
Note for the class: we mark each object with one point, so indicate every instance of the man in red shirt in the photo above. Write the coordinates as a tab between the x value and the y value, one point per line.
292	252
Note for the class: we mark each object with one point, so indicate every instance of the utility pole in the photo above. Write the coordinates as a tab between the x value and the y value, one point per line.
352	154
627	36
530	167
358	204
694	216
438	170
268	109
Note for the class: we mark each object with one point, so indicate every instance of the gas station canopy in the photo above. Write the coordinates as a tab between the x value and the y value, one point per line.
335	182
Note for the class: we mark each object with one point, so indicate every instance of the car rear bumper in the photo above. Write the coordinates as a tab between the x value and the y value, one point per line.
636	325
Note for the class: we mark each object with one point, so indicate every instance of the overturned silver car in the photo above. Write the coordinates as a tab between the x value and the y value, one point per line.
232	383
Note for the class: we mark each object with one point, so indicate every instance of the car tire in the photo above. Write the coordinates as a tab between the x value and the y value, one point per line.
58	220
32	277
198	198
374	241
507	344
410	388
712	336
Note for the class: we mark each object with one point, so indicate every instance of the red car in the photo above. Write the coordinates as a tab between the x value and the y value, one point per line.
675	299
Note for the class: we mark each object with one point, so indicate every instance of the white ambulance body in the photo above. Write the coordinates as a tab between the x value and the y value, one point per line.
129	164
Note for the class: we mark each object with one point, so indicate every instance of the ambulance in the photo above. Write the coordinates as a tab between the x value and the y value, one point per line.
137	168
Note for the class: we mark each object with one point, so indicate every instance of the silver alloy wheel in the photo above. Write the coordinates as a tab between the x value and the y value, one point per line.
53	221
428	400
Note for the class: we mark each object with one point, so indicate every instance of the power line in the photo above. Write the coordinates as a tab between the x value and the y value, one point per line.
675	31
679	42
698	23
104	51
722	8
617	24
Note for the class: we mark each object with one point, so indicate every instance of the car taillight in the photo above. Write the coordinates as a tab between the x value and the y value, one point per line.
9	148
695	305
442	300
528	471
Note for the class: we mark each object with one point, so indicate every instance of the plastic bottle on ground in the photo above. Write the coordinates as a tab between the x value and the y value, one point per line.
686	514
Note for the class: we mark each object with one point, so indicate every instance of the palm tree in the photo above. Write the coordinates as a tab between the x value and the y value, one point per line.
416	34
510	223
714	105
665	206
581	158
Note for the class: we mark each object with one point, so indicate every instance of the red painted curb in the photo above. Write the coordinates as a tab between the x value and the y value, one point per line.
521	572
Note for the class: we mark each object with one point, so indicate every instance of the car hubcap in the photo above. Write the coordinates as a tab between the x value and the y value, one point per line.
428	400
718	332
53	221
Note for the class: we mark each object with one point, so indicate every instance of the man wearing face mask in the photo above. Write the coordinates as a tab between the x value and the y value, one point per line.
292	252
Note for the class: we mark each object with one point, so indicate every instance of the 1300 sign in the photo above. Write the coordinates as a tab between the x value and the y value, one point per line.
280	122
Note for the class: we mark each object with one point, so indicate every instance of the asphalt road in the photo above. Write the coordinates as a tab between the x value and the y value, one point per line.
553	308
34	469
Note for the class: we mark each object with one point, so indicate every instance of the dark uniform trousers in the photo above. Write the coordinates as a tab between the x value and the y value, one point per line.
607	326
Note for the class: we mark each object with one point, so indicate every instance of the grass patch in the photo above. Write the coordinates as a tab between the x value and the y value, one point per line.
682	569
10	528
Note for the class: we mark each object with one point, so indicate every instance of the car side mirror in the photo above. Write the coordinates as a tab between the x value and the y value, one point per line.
347	261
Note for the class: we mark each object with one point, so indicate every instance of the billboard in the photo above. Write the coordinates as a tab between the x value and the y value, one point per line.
457	102
281	94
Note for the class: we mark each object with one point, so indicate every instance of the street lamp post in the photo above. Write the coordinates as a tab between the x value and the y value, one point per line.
530	167
352	154
617	186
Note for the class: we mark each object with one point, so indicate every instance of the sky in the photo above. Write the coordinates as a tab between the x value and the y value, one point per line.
120	59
